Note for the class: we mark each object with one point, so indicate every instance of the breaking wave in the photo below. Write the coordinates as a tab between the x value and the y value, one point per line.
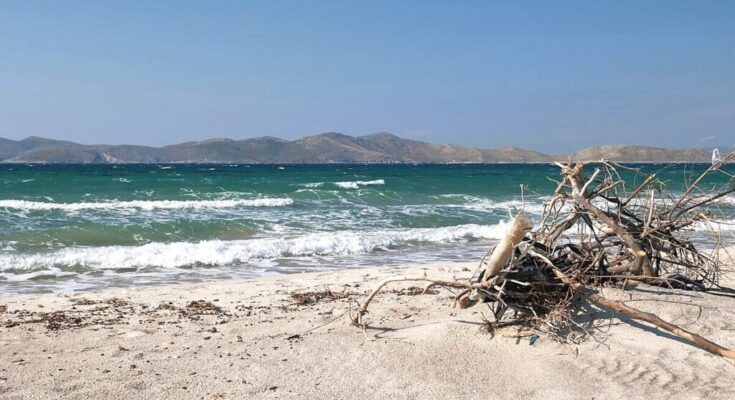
722	225
474	203
345	184
357	184
220	252
144	204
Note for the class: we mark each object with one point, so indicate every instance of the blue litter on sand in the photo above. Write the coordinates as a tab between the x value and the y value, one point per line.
533	339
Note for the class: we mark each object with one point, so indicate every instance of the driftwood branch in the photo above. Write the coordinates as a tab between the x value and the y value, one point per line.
652	319
591	232
357	319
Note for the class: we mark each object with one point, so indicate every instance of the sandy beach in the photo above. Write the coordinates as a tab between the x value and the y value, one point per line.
273	337
365	200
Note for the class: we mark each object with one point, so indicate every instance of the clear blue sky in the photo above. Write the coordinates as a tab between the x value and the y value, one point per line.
551	76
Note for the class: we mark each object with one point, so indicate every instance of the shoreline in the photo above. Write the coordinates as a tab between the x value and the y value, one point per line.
287	336
342	276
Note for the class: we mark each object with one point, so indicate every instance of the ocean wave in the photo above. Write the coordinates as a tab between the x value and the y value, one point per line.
531	207
219	252
721	225
475	203
345	184
144	204
357	184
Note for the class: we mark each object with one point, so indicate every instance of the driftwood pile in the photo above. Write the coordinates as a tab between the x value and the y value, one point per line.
595	231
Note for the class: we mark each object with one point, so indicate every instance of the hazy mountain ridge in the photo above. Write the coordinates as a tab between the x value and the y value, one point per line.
328	147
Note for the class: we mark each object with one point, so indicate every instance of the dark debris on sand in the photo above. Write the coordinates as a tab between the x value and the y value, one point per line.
309	298
413	291
60	320
113	311
202	307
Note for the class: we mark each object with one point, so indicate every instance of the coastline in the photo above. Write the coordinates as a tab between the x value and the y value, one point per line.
324	148
253	339
337	163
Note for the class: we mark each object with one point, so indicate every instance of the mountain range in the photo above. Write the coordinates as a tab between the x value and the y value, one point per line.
328	147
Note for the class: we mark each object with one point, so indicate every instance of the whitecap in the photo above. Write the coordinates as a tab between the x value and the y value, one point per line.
144	204
357	184
714	225
219	252
474	203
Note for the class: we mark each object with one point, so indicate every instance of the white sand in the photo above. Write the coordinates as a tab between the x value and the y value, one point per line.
420	347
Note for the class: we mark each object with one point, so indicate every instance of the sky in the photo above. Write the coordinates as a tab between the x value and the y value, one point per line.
549	76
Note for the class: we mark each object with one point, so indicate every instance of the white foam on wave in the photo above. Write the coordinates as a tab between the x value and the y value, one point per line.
514	205
474	203
314	184
35	274
723	225
145	204
357	184
219	252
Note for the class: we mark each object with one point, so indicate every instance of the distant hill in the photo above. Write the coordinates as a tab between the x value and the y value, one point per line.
625	153
328	147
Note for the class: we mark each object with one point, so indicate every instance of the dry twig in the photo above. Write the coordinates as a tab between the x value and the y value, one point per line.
591	233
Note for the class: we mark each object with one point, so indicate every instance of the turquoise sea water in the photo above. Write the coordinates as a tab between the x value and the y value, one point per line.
91	226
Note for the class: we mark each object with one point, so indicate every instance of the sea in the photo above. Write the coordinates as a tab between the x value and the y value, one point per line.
81	227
